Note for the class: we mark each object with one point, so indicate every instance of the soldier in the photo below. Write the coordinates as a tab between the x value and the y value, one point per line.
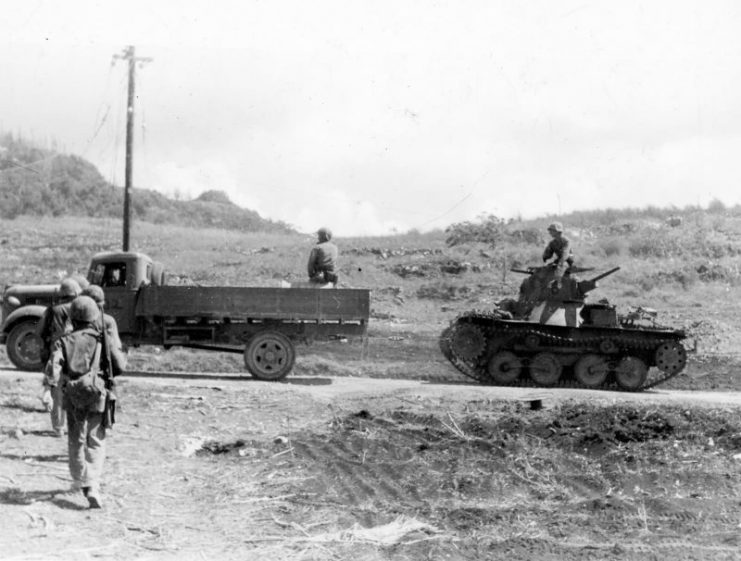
77	361
323	259
81	280
109	323
53	324
560	248
96	293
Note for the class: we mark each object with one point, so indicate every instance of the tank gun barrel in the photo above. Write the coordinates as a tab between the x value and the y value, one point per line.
523	271
591	284
605	274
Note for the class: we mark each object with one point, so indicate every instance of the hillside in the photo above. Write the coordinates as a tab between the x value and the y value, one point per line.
41	182
381	449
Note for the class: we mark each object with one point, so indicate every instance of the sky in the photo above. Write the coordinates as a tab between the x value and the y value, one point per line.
376	117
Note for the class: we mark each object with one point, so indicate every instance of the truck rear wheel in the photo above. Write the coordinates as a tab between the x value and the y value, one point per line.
269	355
25	347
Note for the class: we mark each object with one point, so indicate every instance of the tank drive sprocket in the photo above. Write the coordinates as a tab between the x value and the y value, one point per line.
467	341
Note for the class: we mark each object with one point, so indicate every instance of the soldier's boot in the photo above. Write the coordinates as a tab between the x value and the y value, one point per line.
93	498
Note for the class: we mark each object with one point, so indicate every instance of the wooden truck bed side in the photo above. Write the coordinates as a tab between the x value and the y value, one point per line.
284	304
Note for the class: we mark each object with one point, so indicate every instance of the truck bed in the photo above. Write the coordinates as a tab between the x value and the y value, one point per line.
242	303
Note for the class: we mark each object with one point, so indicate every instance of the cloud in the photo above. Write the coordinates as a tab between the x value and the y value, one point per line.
345	217
189	181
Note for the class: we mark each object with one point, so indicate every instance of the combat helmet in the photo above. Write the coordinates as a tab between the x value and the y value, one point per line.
84	310
81	280
96	293
324	233
69	288
555	227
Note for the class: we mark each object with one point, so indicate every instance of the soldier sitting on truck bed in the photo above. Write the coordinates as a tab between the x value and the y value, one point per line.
323	259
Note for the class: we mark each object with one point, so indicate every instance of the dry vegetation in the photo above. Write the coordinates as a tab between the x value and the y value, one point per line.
207	464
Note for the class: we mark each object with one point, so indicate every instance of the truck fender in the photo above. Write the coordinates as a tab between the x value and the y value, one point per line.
26	312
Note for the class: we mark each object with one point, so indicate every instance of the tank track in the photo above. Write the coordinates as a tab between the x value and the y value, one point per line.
492	327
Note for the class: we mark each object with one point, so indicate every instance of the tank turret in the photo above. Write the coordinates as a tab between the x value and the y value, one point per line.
549	300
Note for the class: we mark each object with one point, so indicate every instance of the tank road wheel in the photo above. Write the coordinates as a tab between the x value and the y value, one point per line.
591	370
631	373
504	367
671	357
25	347
468	341
545	369
269	355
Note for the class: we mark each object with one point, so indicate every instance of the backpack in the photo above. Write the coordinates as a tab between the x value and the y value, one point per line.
84	386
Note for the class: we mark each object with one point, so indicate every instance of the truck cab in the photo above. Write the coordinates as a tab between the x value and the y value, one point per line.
121	275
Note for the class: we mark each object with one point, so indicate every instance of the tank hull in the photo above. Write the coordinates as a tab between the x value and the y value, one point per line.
495	350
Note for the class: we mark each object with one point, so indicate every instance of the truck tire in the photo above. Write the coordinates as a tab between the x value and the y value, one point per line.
24	347
269	355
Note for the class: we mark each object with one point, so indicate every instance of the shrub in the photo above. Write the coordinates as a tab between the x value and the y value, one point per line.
490	230
443	291
613	247
716	206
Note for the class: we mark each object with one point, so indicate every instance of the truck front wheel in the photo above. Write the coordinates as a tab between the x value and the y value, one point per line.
269	355
25	347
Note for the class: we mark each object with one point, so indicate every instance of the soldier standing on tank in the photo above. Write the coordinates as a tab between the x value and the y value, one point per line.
560	248
323	259
54	323
75	354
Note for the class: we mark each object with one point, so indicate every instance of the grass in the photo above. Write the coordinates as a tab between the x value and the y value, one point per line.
694	282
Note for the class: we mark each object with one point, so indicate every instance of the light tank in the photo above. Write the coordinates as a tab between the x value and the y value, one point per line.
551	337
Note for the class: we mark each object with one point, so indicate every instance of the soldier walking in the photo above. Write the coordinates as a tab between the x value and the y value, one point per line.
53	324
78	362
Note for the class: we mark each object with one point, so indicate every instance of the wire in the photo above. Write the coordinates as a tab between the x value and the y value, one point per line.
451	209
104	104
16	164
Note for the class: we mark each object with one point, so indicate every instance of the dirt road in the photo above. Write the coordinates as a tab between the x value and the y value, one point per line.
220	466
332	388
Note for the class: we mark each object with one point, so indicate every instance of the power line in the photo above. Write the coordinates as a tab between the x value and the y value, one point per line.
451	209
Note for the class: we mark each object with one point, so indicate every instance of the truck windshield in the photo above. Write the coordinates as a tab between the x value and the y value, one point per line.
108	274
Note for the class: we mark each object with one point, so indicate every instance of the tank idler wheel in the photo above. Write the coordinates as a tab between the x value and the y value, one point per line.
671	357
591	370
468	341
631	373
545	369
504	367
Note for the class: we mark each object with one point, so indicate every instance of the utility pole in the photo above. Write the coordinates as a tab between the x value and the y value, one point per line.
129	55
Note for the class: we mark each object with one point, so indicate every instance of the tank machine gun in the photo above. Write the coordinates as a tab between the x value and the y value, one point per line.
550	336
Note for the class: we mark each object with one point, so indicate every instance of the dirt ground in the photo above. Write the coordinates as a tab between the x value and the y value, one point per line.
223	467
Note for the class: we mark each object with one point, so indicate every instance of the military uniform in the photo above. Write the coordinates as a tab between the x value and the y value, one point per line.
82	351
323	259
560	248
54	323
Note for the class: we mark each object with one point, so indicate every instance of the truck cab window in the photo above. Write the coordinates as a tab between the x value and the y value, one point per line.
95	275
114	274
